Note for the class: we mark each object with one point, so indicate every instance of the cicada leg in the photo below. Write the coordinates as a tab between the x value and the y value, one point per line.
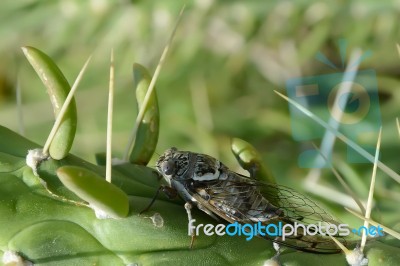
277	248
188	208
168	191
275	259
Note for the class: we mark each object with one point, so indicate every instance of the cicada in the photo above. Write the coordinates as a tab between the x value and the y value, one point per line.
203	181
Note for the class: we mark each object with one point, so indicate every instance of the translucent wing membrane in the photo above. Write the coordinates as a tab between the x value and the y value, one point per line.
294	205
239	198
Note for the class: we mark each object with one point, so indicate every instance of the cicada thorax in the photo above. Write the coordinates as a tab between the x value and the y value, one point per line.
229	193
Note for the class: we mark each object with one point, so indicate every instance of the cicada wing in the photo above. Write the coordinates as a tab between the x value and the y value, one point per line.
237	200
294	205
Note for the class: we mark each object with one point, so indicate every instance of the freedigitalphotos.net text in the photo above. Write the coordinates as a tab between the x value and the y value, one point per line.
279	230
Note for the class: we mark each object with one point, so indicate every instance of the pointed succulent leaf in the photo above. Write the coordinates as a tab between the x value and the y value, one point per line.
58	89
94	189
250	160
147	135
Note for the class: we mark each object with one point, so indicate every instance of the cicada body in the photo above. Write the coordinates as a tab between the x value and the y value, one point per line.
205	182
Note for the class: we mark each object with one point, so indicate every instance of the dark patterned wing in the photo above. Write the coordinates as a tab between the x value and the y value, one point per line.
245	200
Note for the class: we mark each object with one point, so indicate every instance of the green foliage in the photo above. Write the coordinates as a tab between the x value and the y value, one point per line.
58	89
92	188
233	54
148	129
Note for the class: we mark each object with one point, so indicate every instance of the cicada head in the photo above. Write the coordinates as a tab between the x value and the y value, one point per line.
173	164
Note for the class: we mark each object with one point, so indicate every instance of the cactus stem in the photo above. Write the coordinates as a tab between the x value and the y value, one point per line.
371	191
149	92
110	119
64	108
387	170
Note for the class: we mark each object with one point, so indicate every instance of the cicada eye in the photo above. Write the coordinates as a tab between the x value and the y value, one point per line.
168	167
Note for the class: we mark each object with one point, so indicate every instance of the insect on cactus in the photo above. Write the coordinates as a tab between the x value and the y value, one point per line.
57	209
68	214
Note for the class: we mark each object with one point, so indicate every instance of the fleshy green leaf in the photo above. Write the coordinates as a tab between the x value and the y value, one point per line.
250	160
58	89
147	135
92	188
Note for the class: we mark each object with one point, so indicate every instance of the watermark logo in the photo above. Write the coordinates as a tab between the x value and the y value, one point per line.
279	230
346	100
369	231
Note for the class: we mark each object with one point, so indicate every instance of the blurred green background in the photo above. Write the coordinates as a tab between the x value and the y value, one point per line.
218	80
